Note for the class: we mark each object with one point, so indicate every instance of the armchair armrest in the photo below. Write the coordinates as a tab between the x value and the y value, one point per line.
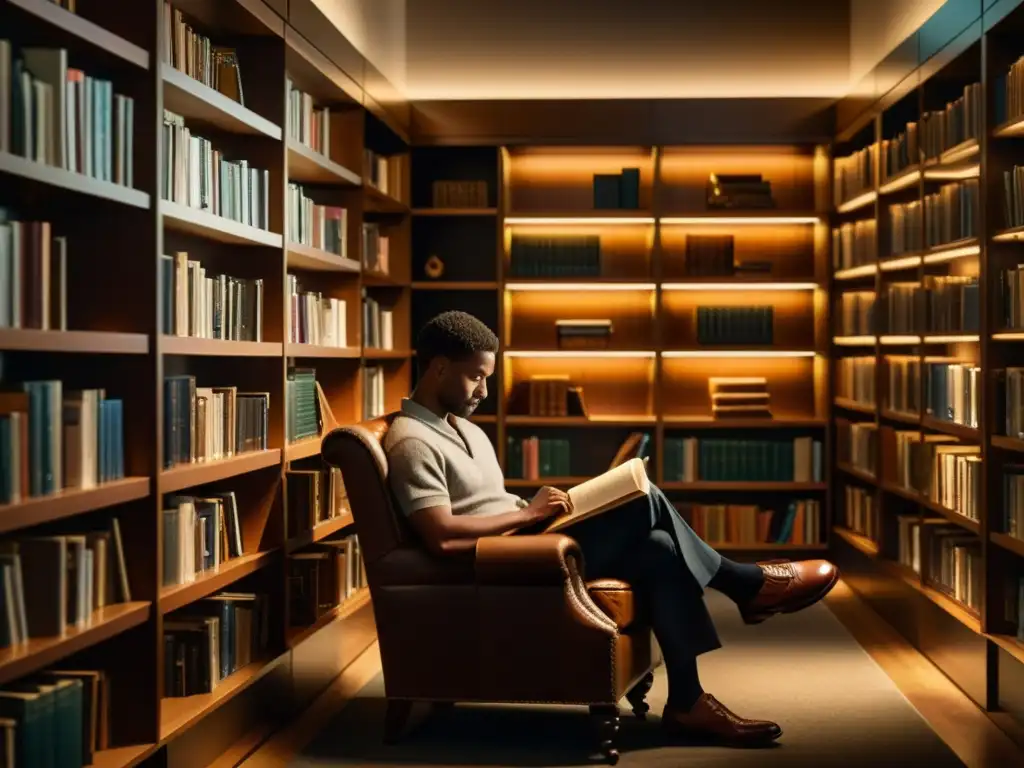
531	560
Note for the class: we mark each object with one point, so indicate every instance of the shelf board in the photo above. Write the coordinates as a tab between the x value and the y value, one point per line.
627	216
371	353
319	532
858	541
311	167
39	653
179	713
741	486
455	285
383	280
853	273
381	202
580	421
905	493
71	501
860	474
303	449
951	606
356	602
87	342
190	475
908	177
1007	443
84	30
1010	128
710	422
913	419
1007	542
958	249
951	515
211	581
856	203
122	757
193	100
182	218
852	405
455	212
954	160
317	260
1010	644
71	181
314	350
972	434
188	345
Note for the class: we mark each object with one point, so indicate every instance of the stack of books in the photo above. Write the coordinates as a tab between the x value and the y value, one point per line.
743	397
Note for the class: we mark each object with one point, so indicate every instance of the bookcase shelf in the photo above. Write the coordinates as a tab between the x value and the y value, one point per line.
924	493
130	335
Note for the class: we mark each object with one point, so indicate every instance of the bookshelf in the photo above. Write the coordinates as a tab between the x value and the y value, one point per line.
569	248
219	261
924	334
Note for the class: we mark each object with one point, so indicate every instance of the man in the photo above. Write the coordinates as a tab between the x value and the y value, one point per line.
445	476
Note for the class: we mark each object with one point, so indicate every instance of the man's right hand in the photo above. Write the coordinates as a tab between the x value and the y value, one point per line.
548	502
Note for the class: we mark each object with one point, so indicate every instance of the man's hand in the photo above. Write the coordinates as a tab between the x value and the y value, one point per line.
548	502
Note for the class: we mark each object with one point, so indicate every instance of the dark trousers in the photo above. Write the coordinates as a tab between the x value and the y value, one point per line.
648	544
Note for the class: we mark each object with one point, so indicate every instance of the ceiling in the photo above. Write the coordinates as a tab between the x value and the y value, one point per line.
538	49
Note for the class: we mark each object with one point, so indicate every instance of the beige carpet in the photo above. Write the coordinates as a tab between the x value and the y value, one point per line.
836	708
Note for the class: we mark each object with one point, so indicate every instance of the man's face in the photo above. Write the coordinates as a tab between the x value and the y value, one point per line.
462	384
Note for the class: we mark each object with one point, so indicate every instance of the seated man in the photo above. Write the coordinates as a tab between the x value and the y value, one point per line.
445	476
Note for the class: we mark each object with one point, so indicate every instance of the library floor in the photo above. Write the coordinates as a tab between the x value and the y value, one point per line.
838	704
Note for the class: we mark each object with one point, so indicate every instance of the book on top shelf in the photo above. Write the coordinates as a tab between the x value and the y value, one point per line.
609	490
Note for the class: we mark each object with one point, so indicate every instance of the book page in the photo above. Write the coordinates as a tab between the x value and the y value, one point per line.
618	485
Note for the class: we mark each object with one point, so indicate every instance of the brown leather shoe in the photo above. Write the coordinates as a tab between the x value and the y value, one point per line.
709	718
789	587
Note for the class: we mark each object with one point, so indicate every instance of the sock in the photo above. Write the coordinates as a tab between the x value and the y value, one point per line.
738	581
683	686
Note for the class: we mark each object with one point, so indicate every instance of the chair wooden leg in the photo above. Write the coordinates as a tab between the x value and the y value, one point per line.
637	696
607	719
396	718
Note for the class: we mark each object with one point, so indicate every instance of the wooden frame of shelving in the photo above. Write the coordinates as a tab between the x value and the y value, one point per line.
646	379
116	332
977	649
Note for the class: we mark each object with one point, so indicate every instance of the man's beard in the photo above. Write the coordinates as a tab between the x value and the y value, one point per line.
463	408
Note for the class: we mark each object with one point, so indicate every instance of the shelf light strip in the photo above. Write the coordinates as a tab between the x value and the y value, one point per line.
853	341
767	220
726	353
952	253
578	353
955	338
857	202
953	174
902	262
677	353
597	221
859	271
900	182
573	287
897	339
766	286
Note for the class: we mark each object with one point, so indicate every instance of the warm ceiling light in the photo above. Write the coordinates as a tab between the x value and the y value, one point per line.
739	286
635	353
758	353
579	220
766	220
952	253
572	287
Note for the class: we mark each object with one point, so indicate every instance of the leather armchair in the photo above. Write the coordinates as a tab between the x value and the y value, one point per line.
513	621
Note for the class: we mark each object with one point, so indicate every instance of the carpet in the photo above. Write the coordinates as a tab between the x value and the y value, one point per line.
837	708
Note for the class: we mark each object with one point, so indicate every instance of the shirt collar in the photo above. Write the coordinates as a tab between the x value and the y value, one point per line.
413	409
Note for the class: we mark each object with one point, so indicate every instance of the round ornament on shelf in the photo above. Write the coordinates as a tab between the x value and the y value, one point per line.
434	267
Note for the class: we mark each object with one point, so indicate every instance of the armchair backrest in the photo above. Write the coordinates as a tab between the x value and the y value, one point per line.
357	450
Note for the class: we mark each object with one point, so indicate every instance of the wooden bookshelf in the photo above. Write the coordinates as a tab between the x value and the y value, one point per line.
888	392
651	375
115	337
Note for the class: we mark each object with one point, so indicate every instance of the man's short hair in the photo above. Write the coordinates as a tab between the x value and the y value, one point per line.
455	335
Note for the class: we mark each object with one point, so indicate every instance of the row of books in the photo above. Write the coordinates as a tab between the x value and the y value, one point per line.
533	457
324	227
856	313
1010	298
197	175
951	214
211	423
1008	91
710	255
958	122
860	514
322	577
900	152
195	55
906	233
854	243
199	534
204	305
947	557
617	190
555	256
735	325
303	396
378	324
693	459
308	123
52	439
209	640
1013	604
940	469
33	274
953	392
384	172
62	117
314	318
374	391
1010	401
54	584
798	522
854	174
946	304
855	379
858	445
376	250
315	496
903	379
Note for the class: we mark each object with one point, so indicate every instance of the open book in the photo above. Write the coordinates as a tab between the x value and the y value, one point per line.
608	490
